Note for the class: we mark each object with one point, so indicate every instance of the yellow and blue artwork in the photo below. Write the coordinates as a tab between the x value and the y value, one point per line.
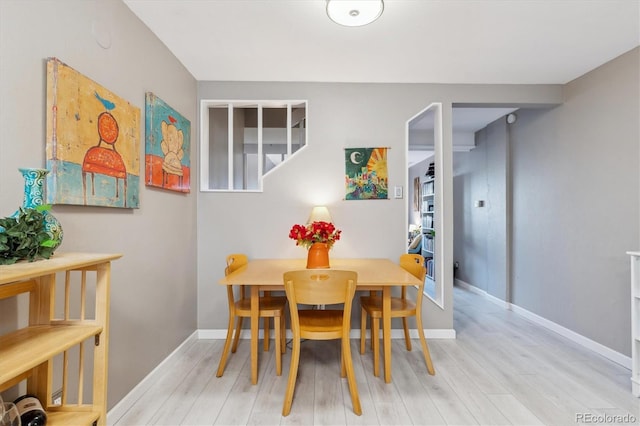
167	146
366	174
93	142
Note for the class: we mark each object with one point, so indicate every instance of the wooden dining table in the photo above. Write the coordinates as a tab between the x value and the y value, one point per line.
373	274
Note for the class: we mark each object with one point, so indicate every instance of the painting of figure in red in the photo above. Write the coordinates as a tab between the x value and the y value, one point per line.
93	142
104	158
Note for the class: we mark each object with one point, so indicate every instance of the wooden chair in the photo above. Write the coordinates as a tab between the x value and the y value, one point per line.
321	287
401	307
269	307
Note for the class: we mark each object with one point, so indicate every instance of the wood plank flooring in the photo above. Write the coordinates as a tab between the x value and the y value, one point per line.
501	370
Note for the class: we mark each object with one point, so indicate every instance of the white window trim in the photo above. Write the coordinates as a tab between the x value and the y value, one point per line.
205	104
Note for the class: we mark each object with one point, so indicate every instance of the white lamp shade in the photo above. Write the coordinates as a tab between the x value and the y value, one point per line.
354	13
319	214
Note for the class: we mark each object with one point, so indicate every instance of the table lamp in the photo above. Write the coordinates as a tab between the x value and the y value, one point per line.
319	214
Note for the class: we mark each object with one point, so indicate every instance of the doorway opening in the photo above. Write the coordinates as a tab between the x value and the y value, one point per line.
424	210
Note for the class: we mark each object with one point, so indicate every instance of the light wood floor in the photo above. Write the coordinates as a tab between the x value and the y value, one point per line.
502	369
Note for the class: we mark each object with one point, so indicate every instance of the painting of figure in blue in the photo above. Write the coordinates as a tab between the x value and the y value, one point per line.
167	146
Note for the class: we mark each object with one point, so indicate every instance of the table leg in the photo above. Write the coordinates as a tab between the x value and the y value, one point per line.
255	291
386	331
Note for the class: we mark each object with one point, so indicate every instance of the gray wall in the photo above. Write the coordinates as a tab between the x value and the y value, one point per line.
576	204
340	115
480	233
575	191
153	299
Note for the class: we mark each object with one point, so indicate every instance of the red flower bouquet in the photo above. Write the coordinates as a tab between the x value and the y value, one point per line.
316	232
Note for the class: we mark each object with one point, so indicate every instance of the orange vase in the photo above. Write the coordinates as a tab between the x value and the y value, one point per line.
318	256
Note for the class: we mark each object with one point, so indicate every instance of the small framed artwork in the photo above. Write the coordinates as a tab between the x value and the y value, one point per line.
167	146
366	174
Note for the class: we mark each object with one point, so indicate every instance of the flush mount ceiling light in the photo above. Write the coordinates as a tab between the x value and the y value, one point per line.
354	13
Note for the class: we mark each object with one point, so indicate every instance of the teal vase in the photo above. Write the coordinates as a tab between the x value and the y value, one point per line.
34	196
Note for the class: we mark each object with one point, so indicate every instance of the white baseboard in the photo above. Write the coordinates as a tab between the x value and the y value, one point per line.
583	341
396	333
467	286
598	348
216	334
431	333
127	402
481	292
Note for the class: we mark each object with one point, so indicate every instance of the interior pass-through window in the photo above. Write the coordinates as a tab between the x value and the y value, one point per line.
242	141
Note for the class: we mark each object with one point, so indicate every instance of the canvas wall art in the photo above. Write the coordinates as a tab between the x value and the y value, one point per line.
366	174
92	142
167	146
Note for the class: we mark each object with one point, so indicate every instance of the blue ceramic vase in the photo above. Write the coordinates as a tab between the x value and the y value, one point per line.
34	196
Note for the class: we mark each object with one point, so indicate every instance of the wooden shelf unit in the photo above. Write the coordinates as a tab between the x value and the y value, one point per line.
28	353
635	322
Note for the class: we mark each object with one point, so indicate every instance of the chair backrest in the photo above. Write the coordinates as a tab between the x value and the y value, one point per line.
320	287
414	264
235	261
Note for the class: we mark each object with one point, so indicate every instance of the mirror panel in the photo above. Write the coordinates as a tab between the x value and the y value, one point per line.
424	141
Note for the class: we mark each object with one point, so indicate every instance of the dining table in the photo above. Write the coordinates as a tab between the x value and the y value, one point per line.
373	274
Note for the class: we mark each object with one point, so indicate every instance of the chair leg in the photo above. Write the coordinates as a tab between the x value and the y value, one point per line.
283	334
375	340
225	350
351	377
236	337
425	349
277	346
371	337
407	338
363	329
293	374
267	333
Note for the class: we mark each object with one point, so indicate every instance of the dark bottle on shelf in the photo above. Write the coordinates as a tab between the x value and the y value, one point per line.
31	411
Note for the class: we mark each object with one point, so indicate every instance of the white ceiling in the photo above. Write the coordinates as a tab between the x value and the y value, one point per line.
421	41
414	41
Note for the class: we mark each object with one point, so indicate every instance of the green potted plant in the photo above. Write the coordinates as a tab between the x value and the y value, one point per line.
23	236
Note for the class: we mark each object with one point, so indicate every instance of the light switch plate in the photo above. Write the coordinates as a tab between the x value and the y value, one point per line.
397	192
